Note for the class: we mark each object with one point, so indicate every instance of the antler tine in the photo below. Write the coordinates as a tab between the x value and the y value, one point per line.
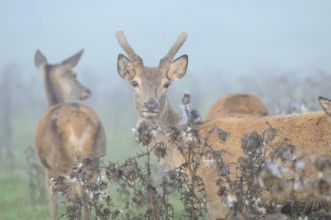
126	47
175	47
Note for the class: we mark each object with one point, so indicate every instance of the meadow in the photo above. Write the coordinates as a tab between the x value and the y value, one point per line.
23	194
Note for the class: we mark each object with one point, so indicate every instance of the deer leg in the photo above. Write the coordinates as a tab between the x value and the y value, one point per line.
86	200
51	197
217	211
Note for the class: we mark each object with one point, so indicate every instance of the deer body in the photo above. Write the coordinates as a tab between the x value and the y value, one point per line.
310	131
67	132
237	103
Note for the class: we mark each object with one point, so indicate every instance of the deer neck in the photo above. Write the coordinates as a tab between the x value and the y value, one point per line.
169	117
53	95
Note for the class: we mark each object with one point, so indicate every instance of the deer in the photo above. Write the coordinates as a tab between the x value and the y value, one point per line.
67	132
240	104
309	131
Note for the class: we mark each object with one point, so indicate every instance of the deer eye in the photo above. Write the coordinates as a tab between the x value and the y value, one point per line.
166	84
134	83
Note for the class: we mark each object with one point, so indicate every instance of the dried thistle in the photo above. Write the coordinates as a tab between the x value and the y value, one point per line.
173	133
59	184
160	150
269	134
251	144
139	199
272	177
321	163
169	182
286	151
222	135
144	133
195	115
114	172
186	100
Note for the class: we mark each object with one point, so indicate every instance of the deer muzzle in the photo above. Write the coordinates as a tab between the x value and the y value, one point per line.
151	108
87	93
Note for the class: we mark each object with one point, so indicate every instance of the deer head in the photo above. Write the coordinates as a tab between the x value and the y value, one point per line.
60	80
150	84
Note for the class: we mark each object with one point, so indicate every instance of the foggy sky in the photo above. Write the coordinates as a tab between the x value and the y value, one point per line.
224	37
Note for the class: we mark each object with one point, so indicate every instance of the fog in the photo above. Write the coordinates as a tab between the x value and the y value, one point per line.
227	38
279	50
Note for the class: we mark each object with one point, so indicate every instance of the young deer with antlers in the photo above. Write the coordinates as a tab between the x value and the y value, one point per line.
309	131
150	84
67	132
240	104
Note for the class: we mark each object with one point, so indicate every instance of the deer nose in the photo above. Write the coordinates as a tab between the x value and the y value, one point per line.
151	105
86	94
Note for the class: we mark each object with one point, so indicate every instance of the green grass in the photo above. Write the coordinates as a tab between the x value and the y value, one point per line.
15	201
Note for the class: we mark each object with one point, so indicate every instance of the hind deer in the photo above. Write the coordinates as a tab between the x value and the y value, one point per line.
67	132
309	131
240	104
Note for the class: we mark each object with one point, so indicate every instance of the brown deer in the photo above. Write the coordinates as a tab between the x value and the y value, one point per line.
150	84
67	132
237	104
309	131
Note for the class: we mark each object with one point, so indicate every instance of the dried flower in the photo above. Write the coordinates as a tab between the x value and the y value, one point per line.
160	151
138	199
186	99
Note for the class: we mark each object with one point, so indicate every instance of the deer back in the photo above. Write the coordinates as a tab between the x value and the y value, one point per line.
66	134
237	104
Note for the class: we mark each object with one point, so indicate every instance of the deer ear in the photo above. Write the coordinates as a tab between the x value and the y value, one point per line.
326	105
125	67
178	68
72	61
39	59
